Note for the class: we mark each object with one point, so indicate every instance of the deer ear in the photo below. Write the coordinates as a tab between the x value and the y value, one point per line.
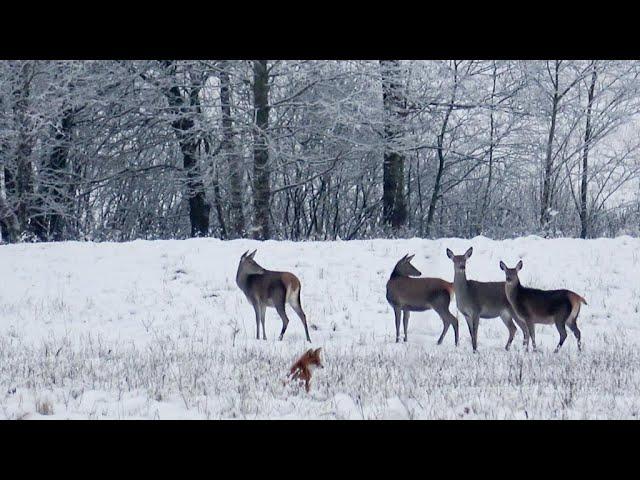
519	266
310	351
468	253
244	254
449	254
409	258
503	267
318	349
252	254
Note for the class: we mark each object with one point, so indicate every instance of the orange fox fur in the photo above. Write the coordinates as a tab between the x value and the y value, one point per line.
301	370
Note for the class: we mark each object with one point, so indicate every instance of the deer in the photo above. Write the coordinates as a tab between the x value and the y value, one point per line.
266	288
406	294
559	307
476	300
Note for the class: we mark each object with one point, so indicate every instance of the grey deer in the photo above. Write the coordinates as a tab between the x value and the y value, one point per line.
559	307
406	294
266	288
476	300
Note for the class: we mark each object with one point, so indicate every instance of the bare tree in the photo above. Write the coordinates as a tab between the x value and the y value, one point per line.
261	171
393	198
229	149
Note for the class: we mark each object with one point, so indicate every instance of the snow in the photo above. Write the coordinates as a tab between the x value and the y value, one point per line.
159	329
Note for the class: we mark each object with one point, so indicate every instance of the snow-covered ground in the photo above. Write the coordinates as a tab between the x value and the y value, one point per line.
159	329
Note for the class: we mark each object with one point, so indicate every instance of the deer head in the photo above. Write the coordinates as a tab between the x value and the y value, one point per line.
404	267
248	265
460	261
511	274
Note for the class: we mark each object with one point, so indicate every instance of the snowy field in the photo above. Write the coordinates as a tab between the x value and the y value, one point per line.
159	329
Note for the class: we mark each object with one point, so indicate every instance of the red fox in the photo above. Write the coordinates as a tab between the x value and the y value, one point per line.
301	370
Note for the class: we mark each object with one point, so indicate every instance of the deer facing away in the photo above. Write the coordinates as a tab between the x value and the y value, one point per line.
476	300
559	307
266	288
406	294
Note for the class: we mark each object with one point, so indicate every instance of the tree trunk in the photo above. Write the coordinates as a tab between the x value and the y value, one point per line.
436	188
183	125
9	225
584	219
23	181
261	171
486	200
198	206
50	223
547	195
393	200
237	227
440	153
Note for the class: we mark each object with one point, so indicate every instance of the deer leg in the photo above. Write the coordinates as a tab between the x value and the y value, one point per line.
396	312
476	324
472	322
576	332
532	334
405	322
470	325
454	322
259	315
263	314
447	319
297	307
264	330
524	328
562	331
445	328
283	315
508	321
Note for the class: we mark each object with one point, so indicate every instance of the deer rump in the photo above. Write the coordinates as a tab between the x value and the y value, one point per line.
271	287
544	305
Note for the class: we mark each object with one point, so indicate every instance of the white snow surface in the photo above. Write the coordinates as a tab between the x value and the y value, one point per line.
159	330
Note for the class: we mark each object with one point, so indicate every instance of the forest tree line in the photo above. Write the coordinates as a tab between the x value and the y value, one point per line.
120	150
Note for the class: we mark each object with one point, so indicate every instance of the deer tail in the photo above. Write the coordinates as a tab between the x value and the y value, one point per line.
449	287
292	287
575	300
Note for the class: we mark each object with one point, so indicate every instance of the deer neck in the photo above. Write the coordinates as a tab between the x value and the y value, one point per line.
241	279
460	283
511	290
395	274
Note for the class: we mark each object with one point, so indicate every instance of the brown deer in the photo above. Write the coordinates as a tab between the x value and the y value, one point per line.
543	306
266	288
406	294
476	300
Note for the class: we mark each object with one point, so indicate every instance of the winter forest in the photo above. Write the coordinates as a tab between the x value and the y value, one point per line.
318	150
345	195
